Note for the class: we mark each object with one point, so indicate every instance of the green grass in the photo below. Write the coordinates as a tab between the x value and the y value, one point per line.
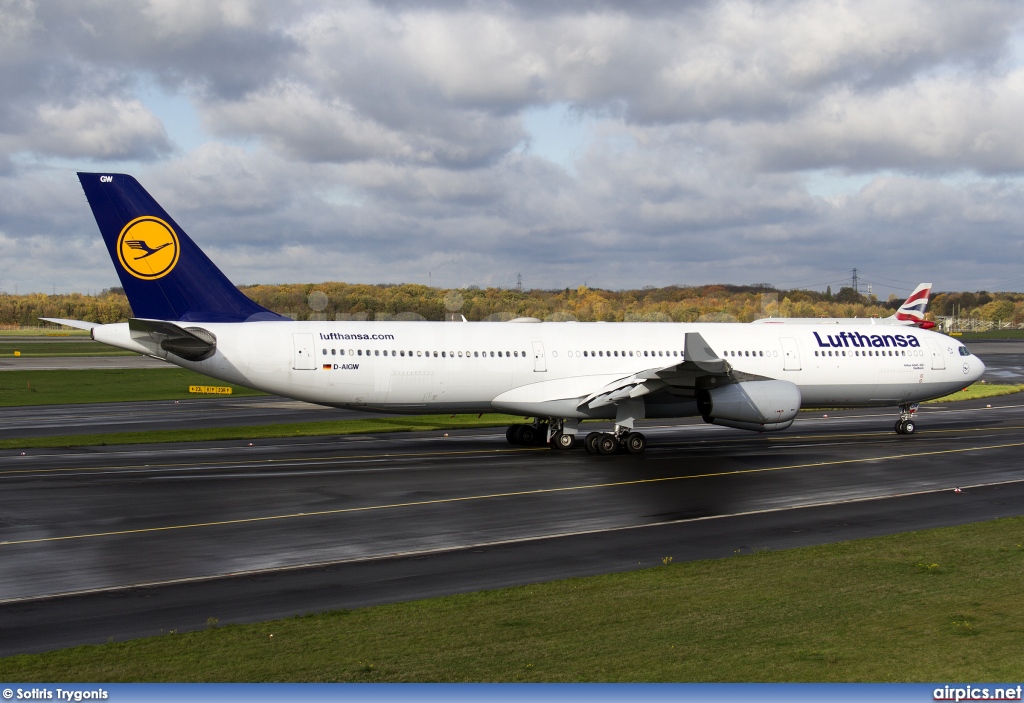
980	390
43	332
55	387
250	432
936	605
71	347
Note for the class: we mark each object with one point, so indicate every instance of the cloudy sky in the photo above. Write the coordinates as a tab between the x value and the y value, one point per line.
614	144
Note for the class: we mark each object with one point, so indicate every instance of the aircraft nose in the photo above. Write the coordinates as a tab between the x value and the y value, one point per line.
977	368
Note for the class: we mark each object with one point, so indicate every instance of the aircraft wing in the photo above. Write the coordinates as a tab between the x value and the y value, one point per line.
701	368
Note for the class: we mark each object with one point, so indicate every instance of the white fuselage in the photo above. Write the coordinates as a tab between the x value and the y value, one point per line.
421	367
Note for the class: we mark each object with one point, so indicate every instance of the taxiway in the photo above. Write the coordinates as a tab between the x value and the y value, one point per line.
128	541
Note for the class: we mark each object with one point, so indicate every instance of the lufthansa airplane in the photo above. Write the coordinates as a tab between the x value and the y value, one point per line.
750	377
910	314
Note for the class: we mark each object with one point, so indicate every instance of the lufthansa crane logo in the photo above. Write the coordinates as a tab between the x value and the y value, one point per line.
148	248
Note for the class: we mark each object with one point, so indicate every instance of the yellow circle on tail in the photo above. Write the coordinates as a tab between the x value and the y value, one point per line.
148	248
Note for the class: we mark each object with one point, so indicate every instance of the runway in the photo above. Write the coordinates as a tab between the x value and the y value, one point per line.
1004	359
163	537
97	418
53	363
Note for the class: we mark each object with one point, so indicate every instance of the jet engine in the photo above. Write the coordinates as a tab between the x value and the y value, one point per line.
759	406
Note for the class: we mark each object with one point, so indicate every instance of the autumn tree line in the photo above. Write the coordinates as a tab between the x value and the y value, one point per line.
721	303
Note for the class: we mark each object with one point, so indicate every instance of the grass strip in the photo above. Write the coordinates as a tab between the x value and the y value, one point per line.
413	423
69	386
980	390
934	605
43	332
59	348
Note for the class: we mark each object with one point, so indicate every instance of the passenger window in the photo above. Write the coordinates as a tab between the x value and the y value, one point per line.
376	352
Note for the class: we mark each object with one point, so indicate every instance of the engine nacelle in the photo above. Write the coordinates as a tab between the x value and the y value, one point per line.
759	406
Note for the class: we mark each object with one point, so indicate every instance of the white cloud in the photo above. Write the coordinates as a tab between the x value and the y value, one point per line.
99	129
374	141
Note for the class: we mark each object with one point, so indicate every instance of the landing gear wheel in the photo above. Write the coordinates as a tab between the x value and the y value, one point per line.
607	444
899	427
635	443
510	434
526	434
906	427
562	441
590	443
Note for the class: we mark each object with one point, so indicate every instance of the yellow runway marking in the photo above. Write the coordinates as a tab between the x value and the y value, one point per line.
511	494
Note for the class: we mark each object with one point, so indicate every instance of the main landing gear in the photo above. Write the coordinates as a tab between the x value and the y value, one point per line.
906	424
623	439
555	433
561	435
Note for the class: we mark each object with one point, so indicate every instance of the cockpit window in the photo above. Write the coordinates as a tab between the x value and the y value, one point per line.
964	351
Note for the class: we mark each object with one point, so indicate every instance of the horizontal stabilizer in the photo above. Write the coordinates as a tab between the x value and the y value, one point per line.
77	324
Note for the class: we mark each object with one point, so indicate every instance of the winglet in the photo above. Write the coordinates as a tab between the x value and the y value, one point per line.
698	351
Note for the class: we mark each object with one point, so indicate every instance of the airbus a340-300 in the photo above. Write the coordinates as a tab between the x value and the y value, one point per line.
750	377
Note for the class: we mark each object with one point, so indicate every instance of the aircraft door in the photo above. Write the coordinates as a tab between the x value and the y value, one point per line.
539	363
938	362
790	354
305	360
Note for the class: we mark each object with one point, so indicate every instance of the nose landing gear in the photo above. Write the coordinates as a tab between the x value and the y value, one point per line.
906	424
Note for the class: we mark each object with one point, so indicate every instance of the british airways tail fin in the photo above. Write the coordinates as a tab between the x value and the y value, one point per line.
913	308
164	274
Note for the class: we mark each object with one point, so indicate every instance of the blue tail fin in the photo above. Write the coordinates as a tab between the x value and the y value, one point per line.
164	274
